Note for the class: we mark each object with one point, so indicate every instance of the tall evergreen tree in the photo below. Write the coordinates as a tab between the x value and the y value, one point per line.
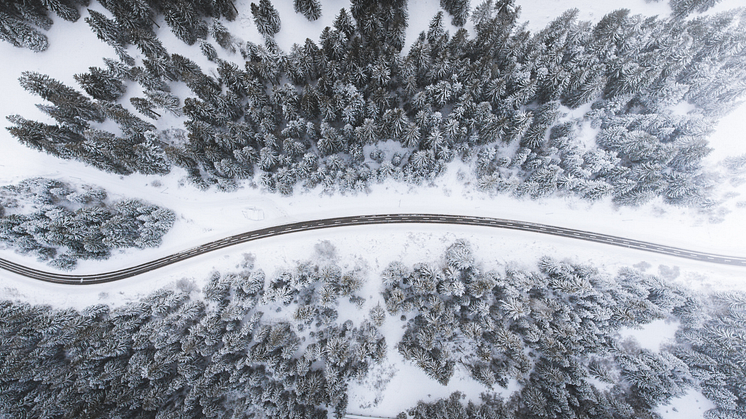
66	99
458	9
266	18
145	107
184	21
682	8
101	84
311	9
221	35
106	29
18	18
21	35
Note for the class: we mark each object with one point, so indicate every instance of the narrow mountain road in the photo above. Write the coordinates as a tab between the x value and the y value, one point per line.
368	220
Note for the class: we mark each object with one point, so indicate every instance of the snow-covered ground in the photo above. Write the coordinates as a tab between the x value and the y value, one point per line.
207	215
692	405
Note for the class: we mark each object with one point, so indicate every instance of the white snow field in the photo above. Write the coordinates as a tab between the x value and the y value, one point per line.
207	215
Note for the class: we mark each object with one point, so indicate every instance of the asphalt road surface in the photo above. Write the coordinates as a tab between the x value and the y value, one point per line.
367	220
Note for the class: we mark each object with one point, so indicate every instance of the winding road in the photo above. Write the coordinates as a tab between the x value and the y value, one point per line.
367	220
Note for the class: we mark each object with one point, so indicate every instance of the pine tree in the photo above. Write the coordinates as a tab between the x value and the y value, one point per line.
187	70
32	12
184	21
49	138
158	69
311	9
517	126
221	35
343	22
131	15
217	8
378	315
266	18
682	8
101	84
458	9
147	42
381	24
52	225
106	29
18	18
67	100
21	35
459	255
589	84
109	31
145	107
165	100
66	9
543	119
436	30
130	124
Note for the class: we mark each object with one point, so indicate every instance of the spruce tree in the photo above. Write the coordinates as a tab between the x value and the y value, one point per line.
458	9
18	20
145	107
682	8
148	43
101	84
221	35
343	22
30	133
185	21
266	18
165	100
381	24
217	8
21	35
55	232
311	9
70	101
128	122
66	9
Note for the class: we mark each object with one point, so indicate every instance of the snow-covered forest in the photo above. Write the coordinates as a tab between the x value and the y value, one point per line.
40	216
618	109
498	99
250	346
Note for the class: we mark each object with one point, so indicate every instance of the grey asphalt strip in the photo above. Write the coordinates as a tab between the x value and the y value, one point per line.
367	220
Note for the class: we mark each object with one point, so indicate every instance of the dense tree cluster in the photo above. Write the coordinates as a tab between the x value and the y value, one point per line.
132	23
550	330
215	353
137	149
713	345
20	20
489	408
56	222
179	353
320	114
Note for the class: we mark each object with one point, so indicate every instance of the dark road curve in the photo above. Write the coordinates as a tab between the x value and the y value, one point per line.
367	220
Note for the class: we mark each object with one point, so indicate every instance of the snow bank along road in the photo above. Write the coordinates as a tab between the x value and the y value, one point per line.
366	220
